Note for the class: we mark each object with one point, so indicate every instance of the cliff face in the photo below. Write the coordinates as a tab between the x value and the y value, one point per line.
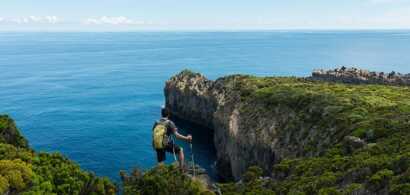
246	132
192	97
190	94
261	121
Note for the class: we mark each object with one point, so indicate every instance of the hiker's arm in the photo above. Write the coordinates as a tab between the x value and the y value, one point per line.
179	136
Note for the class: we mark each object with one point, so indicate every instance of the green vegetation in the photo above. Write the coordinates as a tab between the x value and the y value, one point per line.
251	184
10	134
377	114
162	180
23	171
316	119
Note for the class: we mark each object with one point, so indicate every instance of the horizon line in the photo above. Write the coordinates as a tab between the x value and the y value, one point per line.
211	30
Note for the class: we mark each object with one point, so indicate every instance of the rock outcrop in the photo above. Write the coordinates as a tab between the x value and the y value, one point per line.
263	121
360	76
246	132
192	97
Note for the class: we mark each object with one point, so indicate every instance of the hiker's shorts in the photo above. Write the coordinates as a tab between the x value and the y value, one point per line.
170	148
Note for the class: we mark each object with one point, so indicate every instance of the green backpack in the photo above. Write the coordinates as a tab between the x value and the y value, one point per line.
159	136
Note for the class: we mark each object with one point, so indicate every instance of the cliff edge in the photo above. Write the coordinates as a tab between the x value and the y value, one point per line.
263	121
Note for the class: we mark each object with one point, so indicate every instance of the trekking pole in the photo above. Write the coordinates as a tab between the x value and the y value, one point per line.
173	148
193	162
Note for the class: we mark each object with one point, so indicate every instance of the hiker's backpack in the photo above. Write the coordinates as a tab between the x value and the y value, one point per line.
159	135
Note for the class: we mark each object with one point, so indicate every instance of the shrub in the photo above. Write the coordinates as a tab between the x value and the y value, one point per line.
329	191
252	174
23	171
380	180
400	189
162	180
15	175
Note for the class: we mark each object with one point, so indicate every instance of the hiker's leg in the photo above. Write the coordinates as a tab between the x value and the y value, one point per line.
181	158
160	156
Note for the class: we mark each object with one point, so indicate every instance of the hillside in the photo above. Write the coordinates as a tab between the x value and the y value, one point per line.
23	171
307	136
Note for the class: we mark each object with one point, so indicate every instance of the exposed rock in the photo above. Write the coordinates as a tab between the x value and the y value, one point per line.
306	135
242	138
190	94
360	76
192	97
352	143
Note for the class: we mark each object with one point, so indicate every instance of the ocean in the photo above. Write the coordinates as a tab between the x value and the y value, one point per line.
94	96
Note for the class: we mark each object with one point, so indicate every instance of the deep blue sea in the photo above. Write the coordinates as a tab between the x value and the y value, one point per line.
95	96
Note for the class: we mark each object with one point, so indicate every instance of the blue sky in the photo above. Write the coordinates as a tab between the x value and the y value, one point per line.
130	15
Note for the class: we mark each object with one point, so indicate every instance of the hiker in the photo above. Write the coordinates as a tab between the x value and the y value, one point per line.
163	129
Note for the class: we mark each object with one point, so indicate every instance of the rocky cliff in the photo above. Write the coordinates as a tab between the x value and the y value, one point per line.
192	97
261	121
245	132
361	76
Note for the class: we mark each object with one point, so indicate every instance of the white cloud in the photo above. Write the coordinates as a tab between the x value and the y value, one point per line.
31	20
120	20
